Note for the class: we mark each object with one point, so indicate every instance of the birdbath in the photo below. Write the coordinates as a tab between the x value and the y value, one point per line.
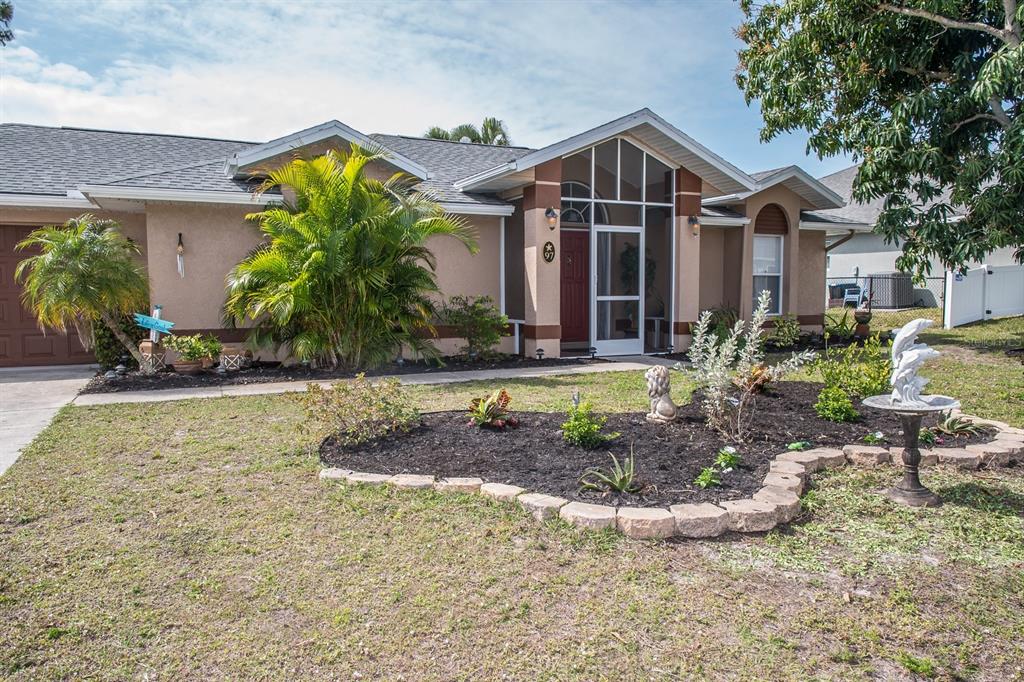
910	406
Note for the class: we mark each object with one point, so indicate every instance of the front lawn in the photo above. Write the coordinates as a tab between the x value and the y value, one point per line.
193	540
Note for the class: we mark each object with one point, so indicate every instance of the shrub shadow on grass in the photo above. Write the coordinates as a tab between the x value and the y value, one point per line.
988	498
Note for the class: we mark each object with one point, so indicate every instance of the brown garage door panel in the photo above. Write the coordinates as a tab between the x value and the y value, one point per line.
21	340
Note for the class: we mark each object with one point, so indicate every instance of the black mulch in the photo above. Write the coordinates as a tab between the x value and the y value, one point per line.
267	372
668	457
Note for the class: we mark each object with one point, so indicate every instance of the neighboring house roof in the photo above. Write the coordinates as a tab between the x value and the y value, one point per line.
841	182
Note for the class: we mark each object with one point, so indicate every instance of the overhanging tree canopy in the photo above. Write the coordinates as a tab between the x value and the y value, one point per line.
926	93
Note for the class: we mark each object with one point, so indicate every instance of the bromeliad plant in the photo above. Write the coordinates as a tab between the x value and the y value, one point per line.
619	479
724	369
492	411
956	426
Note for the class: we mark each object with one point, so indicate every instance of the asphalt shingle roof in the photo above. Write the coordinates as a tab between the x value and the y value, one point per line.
451	161
42	160
45	160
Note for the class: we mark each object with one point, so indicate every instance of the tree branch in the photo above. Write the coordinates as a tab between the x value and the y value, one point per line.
976	117
998	113
1007	37
936	75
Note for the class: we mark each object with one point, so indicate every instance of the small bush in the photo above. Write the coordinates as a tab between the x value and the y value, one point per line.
834	405
859	371
797	446
786	332
478	321
619	479
873	438
727	459
582	428
359	411
928	437
708	478
194	348
492	411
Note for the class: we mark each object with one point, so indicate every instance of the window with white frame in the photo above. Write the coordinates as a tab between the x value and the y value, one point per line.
768	270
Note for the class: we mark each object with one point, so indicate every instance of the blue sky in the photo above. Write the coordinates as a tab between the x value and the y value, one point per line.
258	70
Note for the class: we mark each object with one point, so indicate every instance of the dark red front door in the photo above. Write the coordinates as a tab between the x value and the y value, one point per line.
575	286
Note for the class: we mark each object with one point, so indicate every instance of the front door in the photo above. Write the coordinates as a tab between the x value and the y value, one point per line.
575	316
618	307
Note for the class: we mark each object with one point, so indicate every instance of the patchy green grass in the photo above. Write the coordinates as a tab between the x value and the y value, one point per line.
192	540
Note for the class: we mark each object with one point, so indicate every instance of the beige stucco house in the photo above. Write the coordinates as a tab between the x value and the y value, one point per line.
560	229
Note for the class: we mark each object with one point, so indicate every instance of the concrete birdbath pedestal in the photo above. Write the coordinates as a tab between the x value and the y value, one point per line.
910	406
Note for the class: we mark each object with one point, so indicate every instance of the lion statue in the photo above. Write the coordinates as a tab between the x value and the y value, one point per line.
663	410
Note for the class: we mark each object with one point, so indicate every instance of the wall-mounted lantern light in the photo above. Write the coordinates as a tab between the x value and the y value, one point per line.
181	257
694	222
552	216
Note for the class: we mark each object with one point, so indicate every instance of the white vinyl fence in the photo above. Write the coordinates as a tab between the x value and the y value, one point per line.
983	293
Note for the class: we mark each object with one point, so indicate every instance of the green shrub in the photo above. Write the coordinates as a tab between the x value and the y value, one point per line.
582	428
195	347
620	479
835	405
108	350
359	411
859	371
478	321
727	459
786	332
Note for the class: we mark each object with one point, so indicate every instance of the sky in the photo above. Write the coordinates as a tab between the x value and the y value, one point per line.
255	71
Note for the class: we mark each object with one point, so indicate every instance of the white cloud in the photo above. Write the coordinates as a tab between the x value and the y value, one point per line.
257	71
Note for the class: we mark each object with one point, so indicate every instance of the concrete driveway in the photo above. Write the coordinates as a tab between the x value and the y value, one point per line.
29	397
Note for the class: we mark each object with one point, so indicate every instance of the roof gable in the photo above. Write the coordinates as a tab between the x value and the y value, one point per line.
797	180
647	128
330	130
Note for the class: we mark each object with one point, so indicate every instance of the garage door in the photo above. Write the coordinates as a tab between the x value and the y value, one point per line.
22	343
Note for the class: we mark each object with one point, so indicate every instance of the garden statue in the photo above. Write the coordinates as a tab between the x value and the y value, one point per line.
663	410
907	358
910	406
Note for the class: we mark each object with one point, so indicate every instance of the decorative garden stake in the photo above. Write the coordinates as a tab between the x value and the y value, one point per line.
908	403
663	410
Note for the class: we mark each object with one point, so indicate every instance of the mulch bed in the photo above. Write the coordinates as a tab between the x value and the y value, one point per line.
268	372
668	456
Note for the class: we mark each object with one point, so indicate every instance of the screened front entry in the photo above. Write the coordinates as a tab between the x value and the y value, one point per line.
618	199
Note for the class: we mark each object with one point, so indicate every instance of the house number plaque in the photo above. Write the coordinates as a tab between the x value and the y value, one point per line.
549	252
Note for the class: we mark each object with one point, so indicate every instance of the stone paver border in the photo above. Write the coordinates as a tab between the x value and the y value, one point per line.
778	502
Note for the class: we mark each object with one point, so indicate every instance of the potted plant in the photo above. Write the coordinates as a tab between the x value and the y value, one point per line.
862	315
196	352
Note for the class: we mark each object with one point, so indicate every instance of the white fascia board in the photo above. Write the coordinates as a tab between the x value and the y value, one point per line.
828	227
604	132
178	195
45	201
478	209
722	221
319	133
830	198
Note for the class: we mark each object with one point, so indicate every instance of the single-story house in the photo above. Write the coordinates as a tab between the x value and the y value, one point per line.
865	253
560	228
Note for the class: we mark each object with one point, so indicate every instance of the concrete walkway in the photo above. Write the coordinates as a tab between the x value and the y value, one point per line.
29	397
293	386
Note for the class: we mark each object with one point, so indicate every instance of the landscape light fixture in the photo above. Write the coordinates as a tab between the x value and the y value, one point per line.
552	216
540	353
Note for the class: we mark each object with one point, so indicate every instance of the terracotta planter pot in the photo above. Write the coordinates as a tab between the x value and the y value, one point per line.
188	367
207	363
862	316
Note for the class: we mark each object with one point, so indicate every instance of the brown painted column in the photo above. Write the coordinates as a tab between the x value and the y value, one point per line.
687	255
543	279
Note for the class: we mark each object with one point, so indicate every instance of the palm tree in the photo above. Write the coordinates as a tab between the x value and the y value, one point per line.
491	131
84	271
345	277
